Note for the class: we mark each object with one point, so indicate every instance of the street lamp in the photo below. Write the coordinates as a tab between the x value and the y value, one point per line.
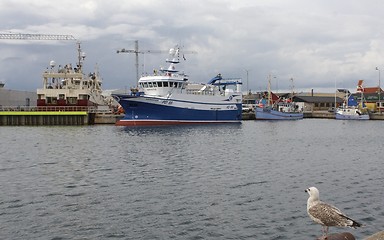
377	69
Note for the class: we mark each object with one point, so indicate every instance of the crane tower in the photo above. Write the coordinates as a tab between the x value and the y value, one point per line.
136	51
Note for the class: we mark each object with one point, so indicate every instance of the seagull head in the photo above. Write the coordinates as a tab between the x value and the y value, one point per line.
313	193
313	197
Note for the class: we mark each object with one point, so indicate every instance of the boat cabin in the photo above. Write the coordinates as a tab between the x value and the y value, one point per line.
69	86
161	85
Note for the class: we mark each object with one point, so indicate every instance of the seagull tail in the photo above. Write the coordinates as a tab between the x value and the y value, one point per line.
354	224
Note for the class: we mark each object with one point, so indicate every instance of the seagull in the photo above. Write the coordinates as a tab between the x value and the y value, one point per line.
326	214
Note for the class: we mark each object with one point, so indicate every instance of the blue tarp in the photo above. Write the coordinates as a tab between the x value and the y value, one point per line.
352	101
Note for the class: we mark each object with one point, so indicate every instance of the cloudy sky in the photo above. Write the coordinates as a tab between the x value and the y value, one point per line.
318	43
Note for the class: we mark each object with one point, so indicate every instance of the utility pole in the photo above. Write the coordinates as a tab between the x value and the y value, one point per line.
247	71
377	69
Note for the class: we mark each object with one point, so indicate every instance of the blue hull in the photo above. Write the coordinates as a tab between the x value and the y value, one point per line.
146	112
270	114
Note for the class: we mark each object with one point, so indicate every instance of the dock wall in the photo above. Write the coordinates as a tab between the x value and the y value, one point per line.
15	118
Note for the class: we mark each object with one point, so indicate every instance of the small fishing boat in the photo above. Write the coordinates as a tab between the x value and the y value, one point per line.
351	108
272	107
167	98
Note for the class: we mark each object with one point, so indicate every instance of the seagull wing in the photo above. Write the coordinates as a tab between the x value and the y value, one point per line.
327	215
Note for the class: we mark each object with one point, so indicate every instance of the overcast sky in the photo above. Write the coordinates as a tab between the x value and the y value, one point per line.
318	43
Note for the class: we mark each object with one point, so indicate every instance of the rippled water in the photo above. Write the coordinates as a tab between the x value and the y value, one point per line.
241	181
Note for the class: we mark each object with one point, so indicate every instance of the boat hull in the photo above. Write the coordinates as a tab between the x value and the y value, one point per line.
153	111
270	114
340	116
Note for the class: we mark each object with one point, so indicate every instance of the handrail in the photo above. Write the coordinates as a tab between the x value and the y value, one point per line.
48	108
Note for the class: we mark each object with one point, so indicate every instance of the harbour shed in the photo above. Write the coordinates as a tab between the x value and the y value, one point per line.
318	103
373	98
16	98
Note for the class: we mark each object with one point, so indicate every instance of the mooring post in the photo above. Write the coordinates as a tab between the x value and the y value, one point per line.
339	236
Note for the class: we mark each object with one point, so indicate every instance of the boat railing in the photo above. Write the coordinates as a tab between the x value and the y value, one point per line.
164	73
89	109
200	92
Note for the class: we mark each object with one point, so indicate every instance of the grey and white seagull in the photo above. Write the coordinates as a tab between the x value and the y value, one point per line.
326	214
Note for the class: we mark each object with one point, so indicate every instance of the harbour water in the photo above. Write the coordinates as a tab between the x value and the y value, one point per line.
239	181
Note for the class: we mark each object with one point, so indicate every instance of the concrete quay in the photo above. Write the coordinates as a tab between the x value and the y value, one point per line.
59	118
23	118
316	114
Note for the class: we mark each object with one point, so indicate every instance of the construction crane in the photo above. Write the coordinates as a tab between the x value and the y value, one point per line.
136	51
24	36
27	36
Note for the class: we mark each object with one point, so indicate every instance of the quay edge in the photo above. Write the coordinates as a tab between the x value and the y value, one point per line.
23	118
316	114
51	118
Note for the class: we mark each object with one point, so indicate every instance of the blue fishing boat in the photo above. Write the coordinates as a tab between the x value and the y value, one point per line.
167	97
272	107
282	111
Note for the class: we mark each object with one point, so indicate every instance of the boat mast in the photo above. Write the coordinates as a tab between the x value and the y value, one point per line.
292	88
269	91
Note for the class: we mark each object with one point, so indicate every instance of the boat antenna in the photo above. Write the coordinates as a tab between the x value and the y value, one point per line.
81	56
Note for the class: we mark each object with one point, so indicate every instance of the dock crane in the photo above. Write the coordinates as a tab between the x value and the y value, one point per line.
136	51
29	36
25	36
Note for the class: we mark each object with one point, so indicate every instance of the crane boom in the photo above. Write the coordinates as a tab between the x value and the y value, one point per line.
24	36
136	51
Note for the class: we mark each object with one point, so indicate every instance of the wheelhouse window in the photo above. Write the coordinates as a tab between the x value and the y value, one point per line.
159	84
165	84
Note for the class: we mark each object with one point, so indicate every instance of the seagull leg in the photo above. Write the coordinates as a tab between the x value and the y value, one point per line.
325	233
323	237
